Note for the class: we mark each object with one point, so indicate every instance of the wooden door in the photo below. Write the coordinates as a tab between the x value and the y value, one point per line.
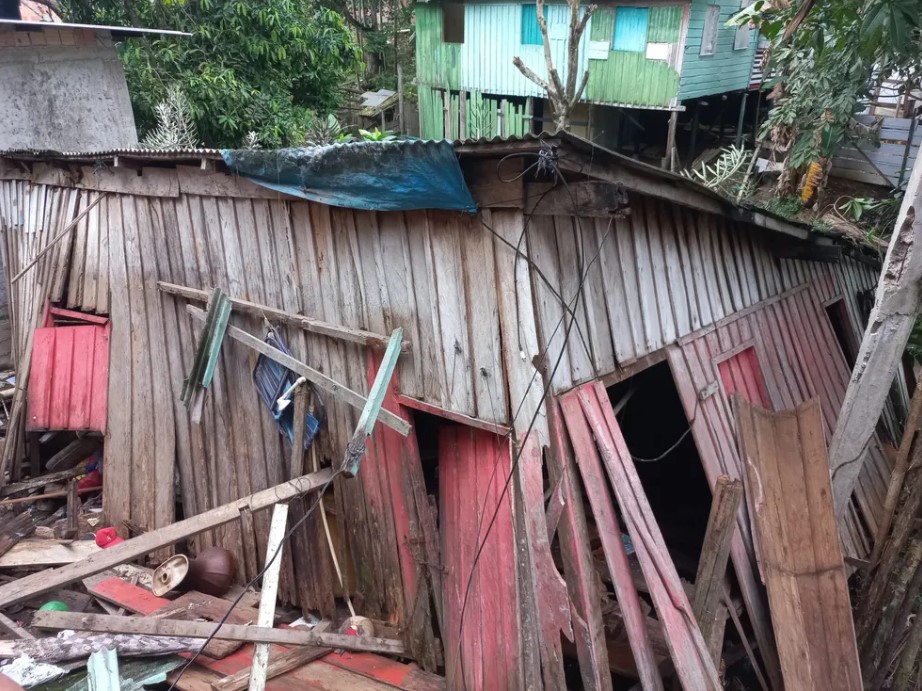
475	521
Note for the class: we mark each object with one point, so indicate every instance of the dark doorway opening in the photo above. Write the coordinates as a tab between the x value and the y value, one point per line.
656	431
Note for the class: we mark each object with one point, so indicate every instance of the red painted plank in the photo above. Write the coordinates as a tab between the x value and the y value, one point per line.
140	601
590	466
687	646
473	466
68	388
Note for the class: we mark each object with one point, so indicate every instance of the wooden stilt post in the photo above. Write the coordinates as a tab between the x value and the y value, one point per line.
741	119
670	160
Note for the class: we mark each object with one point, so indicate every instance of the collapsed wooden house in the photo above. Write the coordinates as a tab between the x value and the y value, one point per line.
580	269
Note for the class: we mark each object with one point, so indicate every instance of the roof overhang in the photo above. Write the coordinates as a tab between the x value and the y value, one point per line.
117	31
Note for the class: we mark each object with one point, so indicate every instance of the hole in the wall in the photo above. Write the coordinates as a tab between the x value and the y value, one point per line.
652	420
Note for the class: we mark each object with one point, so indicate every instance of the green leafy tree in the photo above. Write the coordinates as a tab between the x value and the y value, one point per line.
263	66
821	59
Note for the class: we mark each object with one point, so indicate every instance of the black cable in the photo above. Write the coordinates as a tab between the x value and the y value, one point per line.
518	454
253	581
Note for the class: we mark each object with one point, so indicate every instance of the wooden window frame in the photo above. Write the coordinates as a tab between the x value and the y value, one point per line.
711	27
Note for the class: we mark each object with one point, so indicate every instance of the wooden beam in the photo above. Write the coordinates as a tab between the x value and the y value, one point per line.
281	662
892	318
148	626
460	418
54	650
712	565
589	198
45	581
266	617
49	495
355	449
354	399
253	309
57	238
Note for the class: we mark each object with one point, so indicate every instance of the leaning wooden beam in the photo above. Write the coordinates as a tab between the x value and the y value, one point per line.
266	617
797	544
52	650
343	333
45	581
892	318
712	565
321	380
150	626
57	238
355	449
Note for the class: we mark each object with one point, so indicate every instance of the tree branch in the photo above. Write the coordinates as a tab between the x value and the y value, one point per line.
548	57
529	74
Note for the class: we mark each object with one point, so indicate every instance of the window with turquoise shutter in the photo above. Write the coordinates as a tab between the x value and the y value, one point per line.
631	24
531	32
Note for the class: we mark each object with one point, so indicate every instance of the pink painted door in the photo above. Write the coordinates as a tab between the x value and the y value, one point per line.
742	373
478	558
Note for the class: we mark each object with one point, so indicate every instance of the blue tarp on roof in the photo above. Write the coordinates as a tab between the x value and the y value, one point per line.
378	176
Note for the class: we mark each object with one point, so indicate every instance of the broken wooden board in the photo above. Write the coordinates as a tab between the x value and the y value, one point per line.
140	601
798	550
146	626
687	646
14	530
39	552
53	650
193	606
37	583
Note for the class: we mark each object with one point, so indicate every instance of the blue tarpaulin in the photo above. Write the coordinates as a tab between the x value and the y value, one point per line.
378	176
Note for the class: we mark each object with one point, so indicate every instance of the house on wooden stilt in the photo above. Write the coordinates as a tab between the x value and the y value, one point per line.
637	296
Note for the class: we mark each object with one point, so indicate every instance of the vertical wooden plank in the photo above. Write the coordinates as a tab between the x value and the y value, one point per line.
609	532
619	317
267	598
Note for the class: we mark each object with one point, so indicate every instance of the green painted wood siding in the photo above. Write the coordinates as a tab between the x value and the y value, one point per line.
628	77
437	63
493	35
481	116
727	69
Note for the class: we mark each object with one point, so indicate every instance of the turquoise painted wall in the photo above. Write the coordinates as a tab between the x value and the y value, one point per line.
727	69
496	32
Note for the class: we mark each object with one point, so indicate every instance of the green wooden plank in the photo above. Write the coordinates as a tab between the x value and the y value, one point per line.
217	339
355	449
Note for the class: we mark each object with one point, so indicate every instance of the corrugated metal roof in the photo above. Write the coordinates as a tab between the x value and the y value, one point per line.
491	146
114	30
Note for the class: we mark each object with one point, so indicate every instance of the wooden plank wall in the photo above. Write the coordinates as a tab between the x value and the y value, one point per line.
301	257
660	273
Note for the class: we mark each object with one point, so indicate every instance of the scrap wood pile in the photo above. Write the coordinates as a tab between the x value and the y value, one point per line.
123	625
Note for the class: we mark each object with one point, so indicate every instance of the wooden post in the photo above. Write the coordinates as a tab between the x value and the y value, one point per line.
446	114
693	140
741	119
669	161
889	326
712	565
267	600
400	111
299	432
462	115
501	117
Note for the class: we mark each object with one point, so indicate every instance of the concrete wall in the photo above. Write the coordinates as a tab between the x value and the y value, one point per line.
63	97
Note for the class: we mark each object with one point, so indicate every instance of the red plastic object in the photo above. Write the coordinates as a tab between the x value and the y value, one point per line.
106	537
68	389
91	479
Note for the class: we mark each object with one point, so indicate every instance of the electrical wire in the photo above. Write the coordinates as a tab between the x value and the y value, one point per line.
517	457
256	578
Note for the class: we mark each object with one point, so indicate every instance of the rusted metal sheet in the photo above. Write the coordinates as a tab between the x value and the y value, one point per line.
68	389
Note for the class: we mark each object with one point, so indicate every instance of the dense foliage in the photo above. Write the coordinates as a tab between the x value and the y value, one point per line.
823	54
263	66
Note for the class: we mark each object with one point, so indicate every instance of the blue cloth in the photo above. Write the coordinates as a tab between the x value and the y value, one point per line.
377	176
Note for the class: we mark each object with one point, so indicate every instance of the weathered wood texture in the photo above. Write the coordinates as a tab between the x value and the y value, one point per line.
797	358
589	416
481	631
790	501
476	313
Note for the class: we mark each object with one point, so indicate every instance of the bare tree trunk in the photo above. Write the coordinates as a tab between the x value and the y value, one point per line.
563	96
